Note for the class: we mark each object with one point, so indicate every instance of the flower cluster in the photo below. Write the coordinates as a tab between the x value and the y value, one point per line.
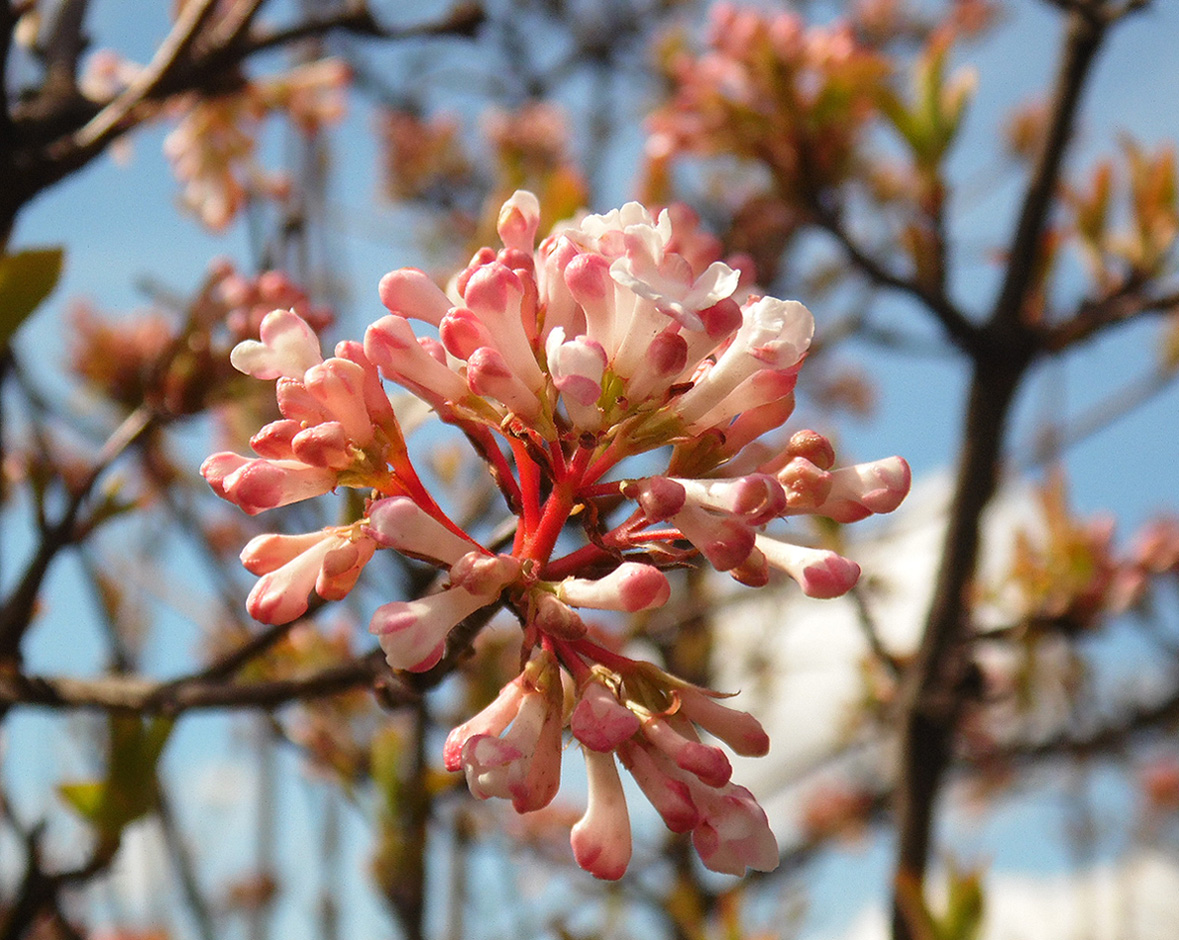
559	362
771	88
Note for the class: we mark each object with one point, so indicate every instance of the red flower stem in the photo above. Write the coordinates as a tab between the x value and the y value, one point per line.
501	470
591	650
573	562
529	486
571	660
557	456
556	512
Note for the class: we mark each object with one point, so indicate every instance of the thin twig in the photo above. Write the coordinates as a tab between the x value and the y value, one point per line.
109	122
16	613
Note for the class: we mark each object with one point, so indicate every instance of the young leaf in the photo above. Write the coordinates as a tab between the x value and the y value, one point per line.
26	279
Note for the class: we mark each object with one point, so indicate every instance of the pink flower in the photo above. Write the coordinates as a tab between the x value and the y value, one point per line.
413	633
398	522
600	721
524	765
631	587
291	566
287	347
258	485
820	573
601	838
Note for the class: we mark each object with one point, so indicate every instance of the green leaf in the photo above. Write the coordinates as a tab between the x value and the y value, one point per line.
129	789
26	279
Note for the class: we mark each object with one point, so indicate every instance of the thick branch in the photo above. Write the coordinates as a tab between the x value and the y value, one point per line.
152	697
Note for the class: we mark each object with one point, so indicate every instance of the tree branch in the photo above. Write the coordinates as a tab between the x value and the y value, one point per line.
1083	39
17	611
961	331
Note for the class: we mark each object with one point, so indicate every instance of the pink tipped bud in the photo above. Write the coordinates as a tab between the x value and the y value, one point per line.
630	587
324	445
462	333
391	345
866	488
820	573
722	319
735	835
600	721
576	366
659	497
274	439
410	293
724	540
739	730
670	796
518	221
481	573
755	499
708	763
492	720
258	485
338	386
297	404
601	838
398	522
413	633
489	375
288	347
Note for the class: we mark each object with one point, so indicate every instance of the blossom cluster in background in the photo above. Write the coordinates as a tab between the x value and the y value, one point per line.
617	336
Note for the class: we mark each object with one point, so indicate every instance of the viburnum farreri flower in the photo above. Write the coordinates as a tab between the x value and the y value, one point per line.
559	361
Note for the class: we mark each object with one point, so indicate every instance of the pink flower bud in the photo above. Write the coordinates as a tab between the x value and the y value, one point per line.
518	221
288	347
576	367
495	294
588	278
820	573
274	439
462	333
492	720
755	499
739	730
724	540
630	587
601	838
670	796
489	375
735	834
600	721
376	399
481	573
338	386
258	485
297	404
866	488
410	293
398	522
391	345
659	497
413	633
324	445
706	762
292	566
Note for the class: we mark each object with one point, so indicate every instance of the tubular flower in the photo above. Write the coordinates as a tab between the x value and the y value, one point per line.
560	361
